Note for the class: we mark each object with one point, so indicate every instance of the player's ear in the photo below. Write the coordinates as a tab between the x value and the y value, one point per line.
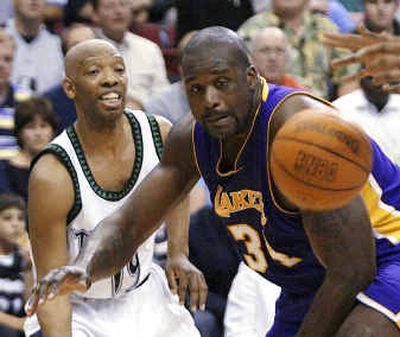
69	87
252	76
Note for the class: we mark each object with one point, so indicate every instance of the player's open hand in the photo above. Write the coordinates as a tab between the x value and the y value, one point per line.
57	282
182	274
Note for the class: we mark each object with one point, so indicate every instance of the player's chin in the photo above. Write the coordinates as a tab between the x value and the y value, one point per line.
221	133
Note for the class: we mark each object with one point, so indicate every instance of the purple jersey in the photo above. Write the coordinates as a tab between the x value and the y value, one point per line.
272	240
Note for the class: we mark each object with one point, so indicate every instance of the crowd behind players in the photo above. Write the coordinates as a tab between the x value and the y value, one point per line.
284	39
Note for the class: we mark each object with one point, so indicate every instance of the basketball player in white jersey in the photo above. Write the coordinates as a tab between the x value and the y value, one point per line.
84	175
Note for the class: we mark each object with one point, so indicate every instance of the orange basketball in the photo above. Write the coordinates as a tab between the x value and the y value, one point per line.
320	161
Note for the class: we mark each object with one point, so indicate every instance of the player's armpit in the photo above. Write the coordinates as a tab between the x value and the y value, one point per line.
342	240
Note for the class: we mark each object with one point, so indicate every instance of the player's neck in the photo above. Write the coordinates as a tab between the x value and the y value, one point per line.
102	139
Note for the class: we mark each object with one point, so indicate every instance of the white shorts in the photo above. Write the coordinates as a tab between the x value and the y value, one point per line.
148	311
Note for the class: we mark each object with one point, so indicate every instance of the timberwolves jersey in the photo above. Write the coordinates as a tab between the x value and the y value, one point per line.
272	240
92	203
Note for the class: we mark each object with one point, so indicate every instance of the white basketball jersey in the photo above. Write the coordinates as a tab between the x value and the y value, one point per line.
92	203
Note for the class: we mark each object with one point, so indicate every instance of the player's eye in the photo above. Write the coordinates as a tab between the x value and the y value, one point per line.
120	69
93	72
222	83
195	89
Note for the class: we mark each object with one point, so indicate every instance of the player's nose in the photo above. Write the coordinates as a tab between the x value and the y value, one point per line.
109	78
211	97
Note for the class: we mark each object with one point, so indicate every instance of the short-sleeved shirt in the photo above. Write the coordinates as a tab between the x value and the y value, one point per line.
309	58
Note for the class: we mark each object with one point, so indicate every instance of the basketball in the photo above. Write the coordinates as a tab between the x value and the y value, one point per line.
320	161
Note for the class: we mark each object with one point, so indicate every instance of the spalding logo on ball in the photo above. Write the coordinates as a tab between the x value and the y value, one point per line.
320	161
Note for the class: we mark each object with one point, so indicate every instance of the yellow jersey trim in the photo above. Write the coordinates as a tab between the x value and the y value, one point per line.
385	219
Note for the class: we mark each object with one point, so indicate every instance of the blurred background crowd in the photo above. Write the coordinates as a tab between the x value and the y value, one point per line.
284	39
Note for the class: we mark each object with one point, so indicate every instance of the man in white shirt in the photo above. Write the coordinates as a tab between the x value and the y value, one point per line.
378	112
38	62
143	59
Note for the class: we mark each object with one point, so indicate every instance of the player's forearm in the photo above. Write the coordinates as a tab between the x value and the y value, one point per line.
109	248
55	318
178	229
343	242
332	303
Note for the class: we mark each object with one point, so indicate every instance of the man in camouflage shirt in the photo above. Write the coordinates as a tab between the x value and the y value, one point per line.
309	58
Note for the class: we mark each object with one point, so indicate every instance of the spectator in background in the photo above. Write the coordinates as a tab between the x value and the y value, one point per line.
309	58
6	11
380	16
140	11
8	144
78	11
336	12
172	102
35	127
145	65
270	54
38	62
14	261
198	14
377	111
63	106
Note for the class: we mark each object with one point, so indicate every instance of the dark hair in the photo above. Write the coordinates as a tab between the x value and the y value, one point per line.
27	110
95	4
8	200
72	12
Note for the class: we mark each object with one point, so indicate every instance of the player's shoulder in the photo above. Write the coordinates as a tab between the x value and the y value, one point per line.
51	163
164	125
293	103
49	175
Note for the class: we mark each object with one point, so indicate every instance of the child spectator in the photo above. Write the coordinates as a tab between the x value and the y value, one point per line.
35	127
14	260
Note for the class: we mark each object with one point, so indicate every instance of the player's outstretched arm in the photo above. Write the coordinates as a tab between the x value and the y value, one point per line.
181	273
342	240
118	236
51	197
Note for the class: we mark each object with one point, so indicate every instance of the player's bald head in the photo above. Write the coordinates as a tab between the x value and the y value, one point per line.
217	41
80	52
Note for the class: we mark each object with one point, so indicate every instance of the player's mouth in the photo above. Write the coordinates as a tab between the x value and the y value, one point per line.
111	100
217	120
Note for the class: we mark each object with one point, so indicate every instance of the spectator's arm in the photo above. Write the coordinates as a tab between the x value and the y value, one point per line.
12	322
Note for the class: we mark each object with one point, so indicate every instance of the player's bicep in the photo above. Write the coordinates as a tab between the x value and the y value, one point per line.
51	197
342	239
178	156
